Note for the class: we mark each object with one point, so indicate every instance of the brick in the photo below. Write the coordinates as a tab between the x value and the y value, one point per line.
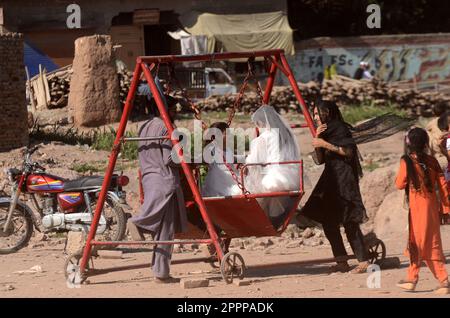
194	283
110	254
13	108
241	283
75	242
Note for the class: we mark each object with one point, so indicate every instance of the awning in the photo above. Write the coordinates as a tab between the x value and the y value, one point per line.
243	32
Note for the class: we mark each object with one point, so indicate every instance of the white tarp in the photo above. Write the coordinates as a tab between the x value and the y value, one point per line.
242	32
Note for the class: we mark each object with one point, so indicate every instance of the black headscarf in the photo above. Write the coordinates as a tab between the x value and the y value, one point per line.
339	133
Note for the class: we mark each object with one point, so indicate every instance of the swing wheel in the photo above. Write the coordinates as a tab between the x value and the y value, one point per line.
377	251
225	244
232	266
72	271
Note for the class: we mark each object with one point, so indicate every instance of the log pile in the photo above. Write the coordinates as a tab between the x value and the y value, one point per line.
343	90
59	83
51	90
353	92
125	77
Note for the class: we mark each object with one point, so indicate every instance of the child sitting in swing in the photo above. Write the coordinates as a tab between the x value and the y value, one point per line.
220	180
418	175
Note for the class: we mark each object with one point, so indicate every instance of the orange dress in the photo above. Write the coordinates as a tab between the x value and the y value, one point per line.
424	221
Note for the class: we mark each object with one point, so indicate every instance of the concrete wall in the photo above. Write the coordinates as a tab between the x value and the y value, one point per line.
44	22
392	58
98	14
13	109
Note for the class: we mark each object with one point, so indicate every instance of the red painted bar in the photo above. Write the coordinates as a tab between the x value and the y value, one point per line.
207	57
269	85
297	93
116	243
110	168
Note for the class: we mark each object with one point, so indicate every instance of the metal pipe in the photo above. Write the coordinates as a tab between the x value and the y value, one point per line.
255	196
269	85
207	57
297	93
145	138
116	243
110	168
277	63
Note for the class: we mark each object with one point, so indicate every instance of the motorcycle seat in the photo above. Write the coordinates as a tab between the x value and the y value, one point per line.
83	183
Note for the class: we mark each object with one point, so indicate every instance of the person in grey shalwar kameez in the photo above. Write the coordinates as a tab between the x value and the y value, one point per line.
163	213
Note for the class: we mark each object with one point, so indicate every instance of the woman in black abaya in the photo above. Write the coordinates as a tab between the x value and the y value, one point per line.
336	199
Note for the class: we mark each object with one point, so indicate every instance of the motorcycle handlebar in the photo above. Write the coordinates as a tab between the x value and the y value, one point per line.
32	150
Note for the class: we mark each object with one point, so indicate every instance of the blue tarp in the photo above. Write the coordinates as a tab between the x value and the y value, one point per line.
33	57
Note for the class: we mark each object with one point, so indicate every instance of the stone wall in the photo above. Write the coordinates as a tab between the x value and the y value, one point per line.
13	108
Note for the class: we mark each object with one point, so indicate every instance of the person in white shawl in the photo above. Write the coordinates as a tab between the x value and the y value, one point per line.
219	180
276	143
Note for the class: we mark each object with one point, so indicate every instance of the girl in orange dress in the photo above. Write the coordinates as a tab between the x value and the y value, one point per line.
419	173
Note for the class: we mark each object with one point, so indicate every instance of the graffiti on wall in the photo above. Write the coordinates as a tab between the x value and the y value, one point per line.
391	63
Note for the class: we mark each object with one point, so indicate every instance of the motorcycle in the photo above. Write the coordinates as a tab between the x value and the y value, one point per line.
63	205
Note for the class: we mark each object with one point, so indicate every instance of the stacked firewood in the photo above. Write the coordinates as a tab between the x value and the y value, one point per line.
353	92
59	86
50	90
125	77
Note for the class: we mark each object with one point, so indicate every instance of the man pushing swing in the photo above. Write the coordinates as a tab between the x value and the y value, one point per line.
163	212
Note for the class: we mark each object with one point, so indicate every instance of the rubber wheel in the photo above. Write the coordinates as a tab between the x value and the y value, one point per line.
72	270
231	266
213	253
27	226
117	215
377	251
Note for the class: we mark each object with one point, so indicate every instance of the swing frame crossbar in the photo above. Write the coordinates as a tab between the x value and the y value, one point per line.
144	65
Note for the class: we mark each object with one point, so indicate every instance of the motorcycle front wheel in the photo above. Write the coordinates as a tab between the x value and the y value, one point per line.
19	232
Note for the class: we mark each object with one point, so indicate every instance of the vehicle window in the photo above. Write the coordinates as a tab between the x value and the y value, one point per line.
217	78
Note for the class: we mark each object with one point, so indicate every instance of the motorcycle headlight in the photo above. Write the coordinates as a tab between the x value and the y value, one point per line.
12	174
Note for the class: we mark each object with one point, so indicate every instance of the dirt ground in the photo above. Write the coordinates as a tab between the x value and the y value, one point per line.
286	281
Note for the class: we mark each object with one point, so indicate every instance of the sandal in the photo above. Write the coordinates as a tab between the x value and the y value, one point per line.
407	285
166	280
341	267
443	289
361	268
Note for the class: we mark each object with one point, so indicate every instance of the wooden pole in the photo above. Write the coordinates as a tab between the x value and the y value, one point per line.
30	91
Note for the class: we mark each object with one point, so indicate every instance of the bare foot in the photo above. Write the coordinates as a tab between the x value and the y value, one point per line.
341	267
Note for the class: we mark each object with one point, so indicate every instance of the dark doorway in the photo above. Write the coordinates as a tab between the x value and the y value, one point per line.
157	41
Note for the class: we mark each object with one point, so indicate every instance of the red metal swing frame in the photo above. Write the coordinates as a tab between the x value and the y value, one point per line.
144	65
